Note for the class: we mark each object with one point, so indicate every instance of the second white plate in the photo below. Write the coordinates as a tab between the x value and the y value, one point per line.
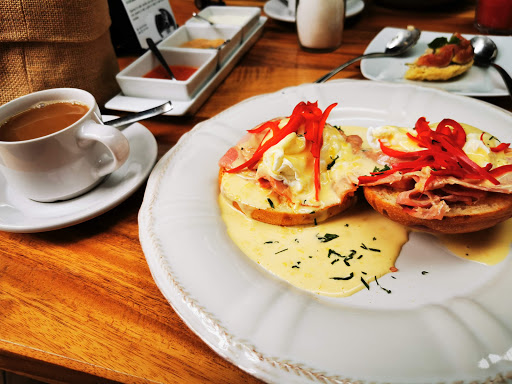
476	82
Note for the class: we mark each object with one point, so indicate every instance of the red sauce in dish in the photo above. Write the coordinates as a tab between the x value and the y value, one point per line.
181	72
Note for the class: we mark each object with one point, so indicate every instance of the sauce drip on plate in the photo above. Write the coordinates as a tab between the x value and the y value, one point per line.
335	258
490	246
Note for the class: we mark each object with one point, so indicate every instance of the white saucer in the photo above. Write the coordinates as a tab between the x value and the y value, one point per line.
276	9
19	214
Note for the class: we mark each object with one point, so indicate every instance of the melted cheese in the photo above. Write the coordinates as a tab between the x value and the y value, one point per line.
367	247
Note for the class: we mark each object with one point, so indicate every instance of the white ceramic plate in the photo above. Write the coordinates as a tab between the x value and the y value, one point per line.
276	9
453	323
476	82
19	214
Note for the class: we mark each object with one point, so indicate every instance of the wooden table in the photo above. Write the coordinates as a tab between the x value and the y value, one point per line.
79	305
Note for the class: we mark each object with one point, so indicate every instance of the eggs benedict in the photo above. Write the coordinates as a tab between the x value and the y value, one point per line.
444	178
294	170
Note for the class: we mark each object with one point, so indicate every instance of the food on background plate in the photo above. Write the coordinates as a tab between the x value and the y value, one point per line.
444	59
444	178
294	170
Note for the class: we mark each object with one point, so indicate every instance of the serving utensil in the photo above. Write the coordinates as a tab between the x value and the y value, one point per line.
403	41
485	53
160	57
197	16
143	115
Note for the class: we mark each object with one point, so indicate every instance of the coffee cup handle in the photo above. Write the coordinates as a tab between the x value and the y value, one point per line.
111	138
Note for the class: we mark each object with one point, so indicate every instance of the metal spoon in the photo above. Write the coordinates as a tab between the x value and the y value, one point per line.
485	53
130	119
160	58
202	18
404	40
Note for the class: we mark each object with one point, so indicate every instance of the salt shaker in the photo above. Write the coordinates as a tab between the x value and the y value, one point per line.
320	24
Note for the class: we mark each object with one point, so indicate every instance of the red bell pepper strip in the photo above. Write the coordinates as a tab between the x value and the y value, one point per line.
500	147
304	114
443	153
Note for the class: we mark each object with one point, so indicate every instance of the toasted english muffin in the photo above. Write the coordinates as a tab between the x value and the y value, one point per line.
264	205
461	218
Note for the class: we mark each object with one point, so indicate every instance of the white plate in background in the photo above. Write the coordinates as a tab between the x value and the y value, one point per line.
475	82
448	325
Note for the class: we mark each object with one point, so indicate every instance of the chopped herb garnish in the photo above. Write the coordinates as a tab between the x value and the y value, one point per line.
295	266
388	291
333	252
271	203
365	284
374	238
346	225
374	249
359	257
331	164
363	246
297	240
334	261
315	221
363	272
439	42
352	252
393	277
327	237
282	250
380	170
424	272
343	278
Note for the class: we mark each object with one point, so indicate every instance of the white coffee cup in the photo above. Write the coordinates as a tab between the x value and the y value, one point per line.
64	164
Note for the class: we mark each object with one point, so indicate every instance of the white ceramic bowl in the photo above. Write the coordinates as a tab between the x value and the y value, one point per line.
244	17
132	82
231	34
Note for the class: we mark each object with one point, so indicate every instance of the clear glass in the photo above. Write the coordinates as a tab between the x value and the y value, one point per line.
494	16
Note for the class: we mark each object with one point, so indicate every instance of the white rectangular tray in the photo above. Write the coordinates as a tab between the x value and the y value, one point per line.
121	102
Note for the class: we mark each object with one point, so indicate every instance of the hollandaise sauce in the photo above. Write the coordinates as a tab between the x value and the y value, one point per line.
489	246
338	257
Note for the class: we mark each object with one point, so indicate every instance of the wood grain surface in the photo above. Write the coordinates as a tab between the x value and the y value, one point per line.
79	305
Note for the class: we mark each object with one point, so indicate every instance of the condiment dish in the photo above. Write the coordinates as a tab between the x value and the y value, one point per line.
231	35
244	17
133	83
